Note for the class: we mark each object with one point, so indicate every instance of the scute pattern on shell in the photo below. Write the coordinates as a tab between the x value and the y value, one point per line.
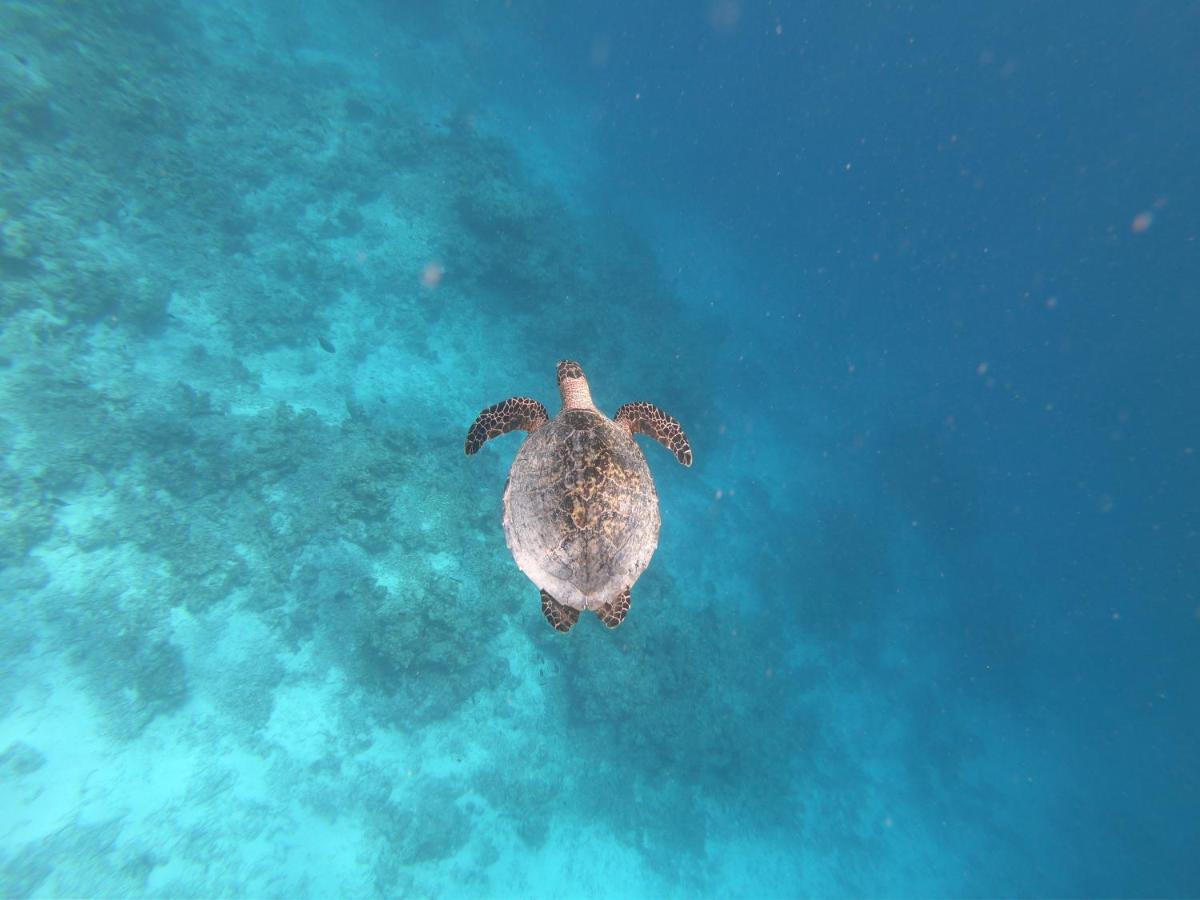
581	511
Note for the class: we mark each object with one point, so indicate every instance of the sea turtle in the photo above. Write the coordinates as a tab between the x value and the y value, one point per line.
580	508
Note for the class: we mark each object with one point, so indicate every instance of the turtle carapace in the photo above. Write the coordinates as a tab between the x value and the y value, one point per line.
580	509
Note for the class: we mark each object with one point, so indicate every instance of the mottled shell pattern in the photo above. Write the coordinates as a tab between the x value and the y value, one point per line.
580	509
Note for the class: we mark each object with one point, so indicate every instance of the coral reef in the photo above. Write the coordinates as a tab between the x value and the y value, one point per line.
257	602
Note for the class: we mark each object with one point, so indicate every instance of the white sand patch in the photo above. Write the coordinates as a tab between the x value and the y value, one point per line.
401	228
54	717
579	857
195	315
304	721
388	374
303	378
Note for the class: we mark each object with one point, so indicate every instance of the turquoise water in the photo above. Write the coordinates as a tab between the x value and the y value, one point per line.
919	283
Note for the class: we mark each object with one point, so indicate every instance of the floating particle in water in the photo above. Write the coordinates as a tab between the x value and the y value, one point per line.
1141	222
723	15
982	368
326	344
431	277
600	51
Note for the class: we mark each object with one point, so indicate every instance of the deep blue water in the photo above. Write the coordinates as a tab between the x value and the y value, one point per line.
918	280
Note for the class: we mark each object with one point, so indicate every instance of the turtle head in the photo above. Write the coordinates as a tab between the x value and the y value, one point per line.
573	386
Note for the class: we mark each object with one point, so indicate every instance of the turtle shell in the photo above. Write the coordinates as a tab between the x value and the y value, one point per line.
580	509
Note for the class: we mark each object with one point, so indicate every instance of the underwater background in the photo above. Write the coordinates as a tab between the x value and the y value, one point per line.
919	280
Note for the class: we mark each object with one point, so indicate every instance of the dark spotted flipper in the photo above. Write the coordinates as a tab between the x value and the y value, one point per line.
613	614
648	419
516	412
560	616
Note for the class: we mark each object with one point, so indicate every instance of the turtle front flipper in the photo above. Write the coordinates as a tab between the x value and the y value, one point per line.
560	616
613	613
648	419
514	413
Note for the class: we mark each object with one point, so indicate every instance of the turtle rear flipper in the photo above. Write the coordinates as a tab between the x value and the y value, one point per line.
560	616
510	415
648	419
613	613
